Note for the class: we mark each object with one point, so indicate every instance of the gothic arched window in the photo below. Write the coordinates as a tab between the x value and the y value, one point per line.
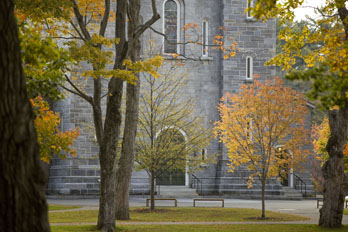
171	26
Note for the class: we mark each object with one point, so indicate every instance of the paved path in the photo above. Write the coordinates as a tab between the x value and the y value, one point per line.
307	208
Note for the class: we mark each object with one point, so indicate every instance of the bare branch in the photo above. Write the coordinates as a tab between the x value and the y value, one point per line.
104	22
78	31
177	43
155	16
79	19
78	91
67	38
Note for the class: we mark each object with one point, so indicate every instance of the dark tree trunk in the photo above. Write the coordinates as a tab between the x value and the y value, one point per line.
263	184
126	161
113	119
333	170
106	217
22	179
152	191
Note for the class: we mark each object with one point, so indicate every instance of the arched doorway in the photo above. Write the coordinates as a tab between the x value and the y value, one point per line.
284	170
173	141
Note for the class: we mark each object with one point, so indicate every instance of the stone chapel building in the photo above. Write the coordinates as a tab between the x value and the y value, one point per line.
209	79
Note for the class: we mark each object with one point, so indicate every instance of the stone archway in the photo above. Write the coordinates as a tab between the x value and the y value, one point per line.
174	137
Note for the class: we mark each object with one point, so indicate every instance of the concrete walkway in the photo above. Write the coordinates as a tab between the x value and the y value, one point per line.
307	208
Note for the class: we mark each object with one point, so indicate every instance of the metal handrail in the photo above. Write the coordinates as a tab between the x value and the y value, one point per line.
195	183
297	180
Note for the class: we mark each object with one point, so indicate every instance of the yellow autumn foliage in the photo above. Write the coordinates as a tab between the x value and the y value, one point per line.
320	136
259	119
52	141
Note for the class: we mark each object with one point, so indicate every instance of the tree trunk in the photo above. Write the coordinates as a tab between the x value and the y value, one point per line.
263	184
107	156
152	193
333	170
112	124
22	179
126	161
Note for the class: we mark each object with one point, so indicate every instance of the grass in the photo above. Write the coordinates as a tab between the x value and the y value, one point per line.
345	212
180	214
204	228
61	207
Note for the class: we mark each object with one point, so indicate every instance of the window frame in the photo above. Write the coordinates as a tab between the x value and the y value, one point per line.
204	157
249	131
250	3
249	69
178	23
205	38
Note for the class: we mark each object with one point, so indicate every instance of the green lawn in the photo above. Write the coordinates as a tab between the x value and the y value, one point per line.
204	228
61	207
180	214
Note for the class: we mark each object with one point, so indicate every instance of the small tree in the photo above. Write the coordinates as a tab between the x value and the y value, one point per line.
170	133
257	121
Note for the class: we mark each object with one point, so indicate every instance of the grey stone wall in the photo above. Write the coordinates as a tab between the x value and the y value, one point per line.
209	79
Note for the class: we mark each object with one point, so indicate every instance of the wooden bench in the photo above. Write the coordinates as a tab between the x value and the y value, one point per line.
321	201
162	199
209	199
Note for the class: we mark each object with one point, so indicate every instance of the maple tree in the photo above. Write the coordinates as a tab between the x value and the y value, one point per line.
171	133
257	121
52	141
326	69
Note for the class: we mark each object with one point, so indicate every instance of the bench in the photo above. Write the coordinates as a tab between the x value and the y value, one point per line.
209	199
320	203
162	199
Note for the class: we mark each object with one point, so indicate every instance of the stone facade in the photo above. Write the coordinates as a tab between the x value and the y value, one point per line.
209	79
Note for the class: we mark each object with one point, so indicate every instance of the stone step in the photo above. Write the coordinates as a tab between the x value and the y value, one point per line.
254	192
176	191
245	187
234	179
292	194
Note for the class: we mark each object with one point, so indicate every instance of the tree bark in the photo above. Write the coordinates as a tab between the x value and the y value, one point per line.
333	170
112	124
106	217
126	161
22	179
152	193
263	184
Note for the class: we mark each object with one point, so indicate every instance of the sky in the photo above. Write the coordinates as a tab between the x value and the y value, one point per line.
306	9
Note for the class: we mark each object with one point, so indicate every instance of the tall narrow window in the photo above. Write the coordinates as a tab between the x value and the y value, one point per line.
249	131
250	4
204	156
205	38
249	68
171	26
